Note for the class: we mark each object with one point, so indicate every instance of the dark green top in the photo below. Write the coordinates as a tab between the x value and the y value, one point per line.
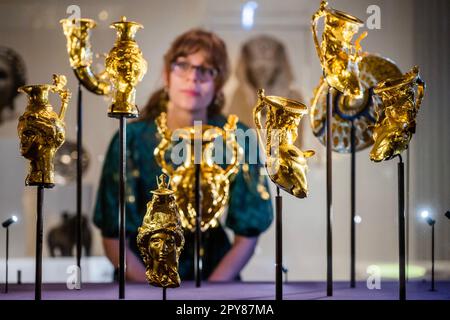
248	214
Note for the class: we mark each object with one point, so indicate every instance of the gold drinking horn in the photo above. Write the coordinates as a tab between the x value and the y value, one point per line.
396	121
338	56
78	32
285	163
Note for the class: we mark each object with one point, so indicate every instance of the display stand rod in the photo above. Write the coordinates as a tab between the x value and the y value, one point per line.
198	231
79	175
122	177
401	227
432	258
164	292
352	208
39	231
329	196
279	247
6	262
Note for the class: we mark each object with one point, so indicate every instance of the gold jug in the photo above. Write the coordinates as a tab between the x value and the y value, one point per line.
78	32
285	163
160	238
126	67
42	131
214	180
396	122
338	56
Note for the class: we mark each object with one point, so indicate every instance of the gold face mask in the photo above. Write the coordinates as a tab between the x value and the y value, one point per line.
214	180
338	56
42	131
285	163
160	238
396	121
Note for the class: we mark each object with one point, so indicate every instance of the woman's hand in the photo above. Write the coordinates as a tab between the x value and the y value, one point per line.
235	260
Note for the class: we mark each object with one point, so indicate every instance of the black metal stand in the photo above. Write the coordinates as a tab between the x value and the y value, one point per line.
432	258
278	247
19	277
401	228
164	291
79	175
7	254
352	208
329	196
198	230
39	231
122	177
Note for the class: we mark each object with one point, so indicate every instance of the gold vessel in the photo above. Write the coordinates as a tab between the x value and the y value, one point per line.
285	163
338	56
214	180
160	238
42	131
347	109
126	67
396	122
78	33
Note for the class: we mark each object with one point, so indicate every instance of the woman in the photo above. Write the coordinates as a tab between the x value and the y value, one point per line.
195	70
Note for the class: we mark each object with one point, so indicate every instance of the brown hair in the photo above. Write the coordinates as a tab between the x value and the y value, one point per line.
188	43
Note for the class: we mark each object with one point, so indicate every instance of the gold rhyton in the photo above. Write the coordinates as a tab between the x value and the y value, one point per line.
42	131
214	180
396	120
78	33
160	238
126	67
285	163
338	56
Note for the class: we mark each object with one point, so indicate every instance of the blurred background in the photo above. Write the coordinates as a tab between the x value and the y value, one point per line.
412	32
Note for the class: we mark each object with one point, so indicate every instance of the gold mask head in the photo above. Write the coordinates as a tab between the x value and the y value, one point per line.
42	131
160	238
396	121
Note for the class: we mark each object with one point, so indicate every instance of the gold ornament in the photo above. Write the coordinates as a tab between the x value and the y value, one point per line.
396	122
160	238
348	109
126	67
78	32
214	180
285	163
42	131
338	56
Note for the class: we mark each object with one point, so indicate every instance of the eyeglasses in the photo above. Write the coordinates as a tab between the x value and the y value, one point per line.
204	74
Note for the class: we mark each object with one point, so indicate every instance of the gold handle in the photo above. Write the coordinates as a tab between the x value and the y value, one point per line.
230	129
59	83
322	11
160	150
420	91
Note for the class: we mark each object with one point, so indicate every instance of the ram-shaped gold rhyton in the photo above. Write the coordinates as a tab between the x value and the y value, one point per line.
396	121
285	163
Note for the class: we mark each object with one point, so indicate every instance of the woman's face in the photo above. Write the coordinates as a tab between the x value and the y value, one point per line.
190	83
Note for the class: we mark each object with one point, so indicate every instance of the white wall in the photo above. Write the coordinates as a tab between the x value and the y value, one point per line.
33	30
